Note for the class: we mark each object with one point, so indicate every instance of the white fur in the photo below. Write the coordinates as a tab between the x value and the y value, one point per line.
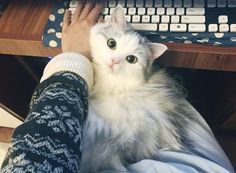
128	119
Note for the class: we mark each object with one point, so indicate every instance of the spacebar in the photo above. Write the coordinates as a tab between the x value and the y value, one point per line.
144	26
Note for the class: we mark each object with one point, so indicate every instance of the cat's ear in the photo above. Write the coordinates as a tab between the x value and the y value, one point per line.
157	49
118	17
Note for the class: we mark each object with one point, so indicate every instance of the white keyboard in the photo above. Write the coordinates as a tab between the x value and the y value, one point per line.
217	16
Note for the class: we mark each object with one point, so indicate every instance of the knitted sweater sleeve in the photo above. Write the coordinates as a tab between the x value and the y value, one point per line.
50	138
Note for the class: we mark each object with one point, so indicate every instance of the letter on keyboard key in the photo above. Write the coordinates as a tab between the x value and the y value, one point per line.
178	27
144	26
193	19
196	27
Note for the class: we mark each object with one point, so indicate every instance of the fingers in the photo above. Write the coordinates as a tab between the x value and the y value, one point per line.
87	9
78	11
94	14
66	20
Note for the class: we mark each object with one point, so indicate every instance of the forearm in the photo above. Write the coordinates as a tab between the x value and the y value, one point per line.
50	138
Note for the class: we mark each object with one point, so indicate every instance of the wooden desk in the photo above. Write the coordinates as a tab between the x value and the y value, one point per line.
22	24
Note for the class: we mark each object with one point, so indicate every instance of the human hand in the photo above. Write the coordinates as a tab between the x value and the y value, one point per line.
76	29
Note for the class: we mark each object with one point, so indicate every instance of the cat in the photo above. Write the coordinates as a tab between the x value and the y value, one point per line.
133	111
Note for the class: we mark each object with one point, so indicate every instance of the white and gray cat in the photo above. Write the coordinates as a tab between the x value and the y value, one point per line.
133	112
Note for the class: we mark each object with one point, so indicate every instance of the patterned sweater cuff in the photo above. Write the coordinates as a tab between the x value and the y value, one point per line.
71	62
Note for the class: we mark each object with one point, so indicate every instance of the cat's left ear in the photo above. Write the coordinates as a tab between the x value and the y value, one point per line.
157	49
118	17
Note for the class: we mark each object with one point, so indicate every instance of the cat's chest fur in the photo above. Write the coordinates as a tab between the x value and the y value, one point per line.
135	118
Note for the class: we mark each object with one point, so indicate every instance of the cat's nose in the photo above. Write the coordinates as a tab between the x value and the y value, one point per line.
115	61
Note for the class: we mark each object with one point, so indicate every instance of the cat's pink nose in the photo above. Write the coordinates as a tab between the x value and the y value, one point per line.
115	61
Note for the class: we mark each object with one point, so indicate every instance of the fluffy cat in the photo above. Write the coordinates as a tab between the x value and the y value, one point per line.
133	112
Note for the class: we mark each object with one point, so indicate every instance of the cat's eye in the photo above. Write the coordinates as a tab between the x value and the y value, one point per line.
131	59
111	43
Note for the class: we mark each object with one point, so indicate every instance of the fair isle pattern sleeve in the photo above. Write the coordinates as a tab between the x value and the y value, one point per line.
50	138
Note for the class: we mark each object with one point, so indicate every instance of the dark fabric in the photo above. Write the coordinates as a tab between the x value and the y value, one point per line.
50	138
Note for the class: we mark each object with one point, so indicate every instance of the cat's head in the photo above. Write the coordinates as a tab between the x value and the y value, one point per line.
121	52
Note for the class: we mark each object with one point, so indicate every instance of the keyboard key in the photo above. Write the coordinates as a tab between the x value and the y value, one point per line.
177	3
211	3
231	3
128	18
155	19
149	3
139	3
221	3
196	27
223	19
175	19
145	19
163	27
144	26
187	3
105	11
167	3
112	3
141	11
112	10
73	4
158	3
199	3
165	19
107	17
121	2
212	27
180	11
195	11
125	10
170	11
136	19
132	11
233	28
160	11
151	11
224	28
130	3
193	19
178	27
